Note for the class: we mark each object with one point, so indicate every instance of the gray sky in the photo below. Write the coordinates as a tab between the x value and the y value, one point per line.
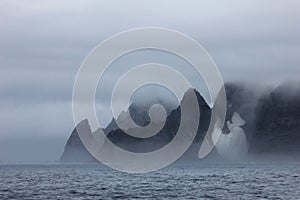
44	42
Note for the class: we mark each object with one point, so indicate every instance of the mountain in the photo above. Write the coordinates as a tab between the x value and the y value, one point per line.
139	113
272	124
166	134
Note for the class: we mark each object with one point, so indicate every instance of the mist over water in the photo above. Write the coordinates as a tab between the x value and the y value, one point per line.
233	145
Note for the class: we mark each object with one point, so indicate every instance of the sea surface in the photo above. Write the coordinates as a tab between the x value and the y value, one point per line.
205	181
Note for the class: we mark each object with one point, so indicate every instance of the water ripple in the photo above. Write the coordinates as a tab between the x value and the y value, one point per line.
194	182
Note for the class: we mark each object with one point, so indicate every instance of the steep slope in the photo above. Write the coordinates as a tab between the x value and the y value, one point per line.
74	151
272	125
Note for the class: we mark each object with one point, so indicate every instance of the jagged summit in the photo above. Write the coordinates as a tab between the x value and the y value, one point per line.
272	125
140	114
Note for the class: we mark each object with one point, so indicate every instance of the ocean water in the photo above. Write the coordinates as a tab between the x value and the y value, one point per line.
205	181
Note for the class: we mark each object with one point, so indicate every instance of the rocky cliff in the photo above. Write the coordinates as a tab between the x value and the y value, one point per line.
272	124
277	122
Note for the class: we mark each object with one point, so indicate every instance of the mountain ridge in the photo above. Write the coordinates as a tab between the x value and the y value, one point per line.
239	99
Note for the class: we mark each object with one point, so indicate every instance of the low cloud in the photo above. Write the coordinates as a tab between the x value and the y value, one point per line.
43	44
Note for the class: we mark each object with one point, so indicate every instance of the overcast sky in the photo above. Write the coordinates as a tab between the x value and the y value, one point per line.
44	42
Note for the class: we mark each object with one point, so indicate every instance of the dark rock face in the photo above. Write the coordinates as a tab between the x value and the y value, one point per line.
242	100
277	122
272	125
75	151
139	114
162	138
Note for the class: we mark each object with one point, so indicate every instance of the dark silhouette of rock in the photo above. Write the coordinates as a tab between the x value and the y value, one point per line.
169	130
277	121
74	151
272	124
